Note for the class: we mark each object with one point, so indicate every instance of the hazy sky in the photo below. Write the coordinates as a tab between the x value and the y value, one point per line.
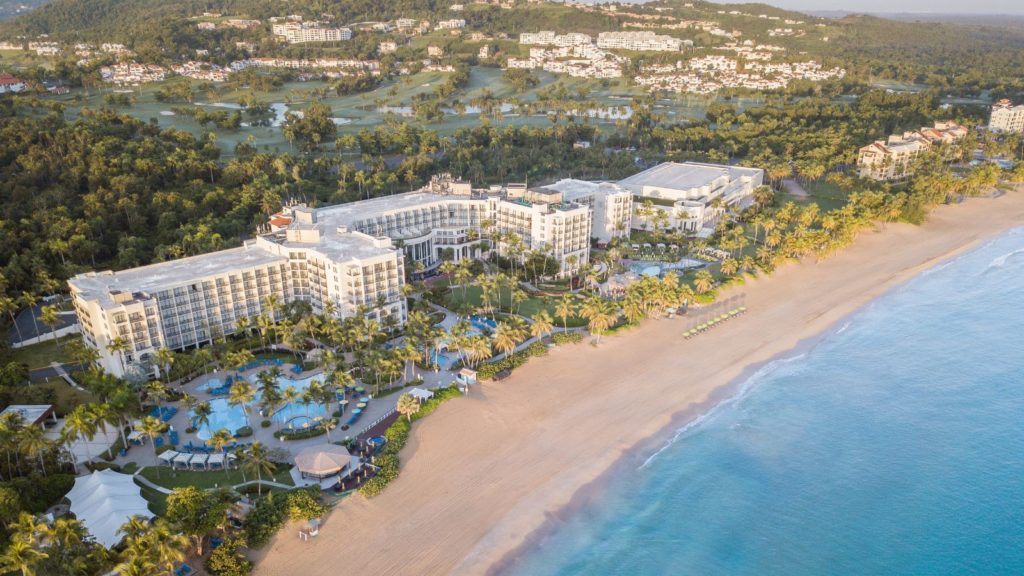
924	6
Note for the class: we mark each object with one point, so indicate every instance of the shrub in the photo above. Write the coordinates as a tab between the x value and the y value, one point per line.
304	504
265	424
94	466
243	432
567	338
397	435
190	430
311	432
271	513
37	493
226	560
163	449
336	414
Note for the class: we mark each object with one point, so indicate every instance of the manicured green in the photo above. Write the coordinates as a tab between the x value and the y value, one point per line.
169	478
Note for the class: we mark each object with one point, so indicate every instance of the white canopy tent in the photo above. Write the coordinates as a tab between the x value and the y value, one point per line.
103	501
421	394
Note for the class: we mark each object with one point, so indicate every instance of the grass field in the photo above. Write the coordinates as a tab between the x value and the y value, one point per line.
473	296
360	111
40	355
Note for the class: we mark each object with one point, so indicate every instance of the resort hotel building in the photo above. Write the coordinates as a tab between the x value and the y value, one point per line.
692	196
186	303
352	258
893	159
1006	117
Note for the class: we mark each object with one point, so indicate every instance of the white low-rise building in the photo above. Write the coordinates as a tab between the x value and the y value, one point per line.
691	194
638	41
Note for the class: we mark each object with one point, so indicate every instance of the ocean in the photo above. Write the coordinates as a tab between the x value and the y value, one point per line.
894	445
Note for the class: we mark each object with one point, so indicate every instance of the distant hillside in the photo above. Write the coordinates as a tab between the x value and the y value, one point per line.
12	8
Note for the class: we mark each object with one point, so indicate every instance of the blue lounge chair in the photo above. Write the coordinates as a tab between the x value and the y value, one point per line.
182	570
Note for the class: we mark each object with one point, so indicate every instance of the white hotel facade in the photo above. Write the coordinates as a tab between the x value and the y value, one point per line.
354	256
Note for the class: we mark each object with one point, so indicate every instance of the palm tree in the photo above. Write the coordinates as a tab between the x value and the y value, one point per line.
34	442
29	300
219	441
703	282
135	527
21	556
256	459
600	315
166	545
80	425
566	308
157	392
243	325
135	565
541	326
202	413
50	316
242	393
328	424
117	346
164	359
505	338
151	427
407	406
9	306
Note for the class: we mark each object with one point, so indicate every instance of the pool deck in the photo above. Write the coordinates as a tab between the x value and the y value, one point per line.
376	409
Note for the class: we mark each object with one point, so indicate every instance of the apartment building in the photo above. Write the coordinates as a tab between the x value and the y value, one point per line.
611	205
638	41
453	24
893	158
692	195
186	303
448	218
302	32
1006	117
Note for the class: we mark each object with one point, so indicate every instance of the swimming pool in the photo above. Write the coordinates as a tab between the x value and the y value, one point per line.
224	415
445	359
659	268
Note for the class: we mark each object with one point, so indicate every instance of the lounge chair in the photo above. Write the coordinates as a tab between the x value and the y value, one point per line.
182	570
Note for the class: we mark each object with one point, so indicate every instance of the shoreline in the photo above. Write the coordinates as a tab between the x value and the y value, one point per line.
501	467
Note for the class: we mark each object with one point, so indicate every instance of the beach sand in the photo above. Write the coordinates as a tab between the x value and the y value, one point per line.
486	471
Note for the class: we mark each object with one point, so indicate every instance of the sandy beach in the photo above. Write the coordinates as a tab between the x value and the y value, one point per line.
488	470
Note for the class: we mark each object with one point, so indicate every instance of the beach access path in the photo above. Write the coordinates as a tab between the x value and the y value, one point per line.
486	471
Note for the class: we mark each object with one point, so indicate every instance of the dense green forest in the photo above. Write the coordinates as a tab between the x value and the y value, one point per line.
107	190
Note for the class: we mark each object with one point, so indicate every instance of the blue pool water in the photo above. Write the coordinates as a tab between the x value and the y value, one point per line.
894	446
232	417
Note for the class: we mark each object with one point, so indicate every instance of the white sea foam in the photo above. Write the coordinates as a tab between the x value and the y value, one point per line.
1000	261
744	389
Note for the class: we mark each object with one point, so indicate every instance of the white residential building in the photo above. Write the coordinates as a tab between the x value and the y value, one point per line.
692	195
9	83
302	32
611	205
893	158
1006	117
453	24
187	303
639	41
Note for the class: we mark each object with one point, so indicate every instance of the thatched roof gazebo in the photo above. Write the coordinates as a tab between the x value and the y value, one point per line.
323	460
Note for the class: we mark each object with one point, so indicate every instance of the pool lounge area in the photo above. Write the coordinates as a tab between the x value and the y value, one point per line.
224	415
659	268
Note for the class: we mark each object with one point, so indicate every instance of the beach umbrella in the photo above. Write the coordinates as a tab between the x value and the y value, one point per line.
361	405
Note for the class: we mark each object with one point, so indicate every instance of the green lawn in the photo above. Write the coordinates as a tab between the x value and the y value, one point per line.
826	194
472	295
67	397
40	355
168	478
157	500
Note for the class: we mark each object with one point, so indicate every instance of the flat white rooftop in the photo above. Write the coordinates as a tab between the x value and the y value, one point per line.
30	413
685	175
163	275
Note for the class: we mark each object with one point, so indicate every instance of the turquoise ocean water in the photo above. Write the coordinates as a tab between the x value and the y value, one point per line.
893	446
